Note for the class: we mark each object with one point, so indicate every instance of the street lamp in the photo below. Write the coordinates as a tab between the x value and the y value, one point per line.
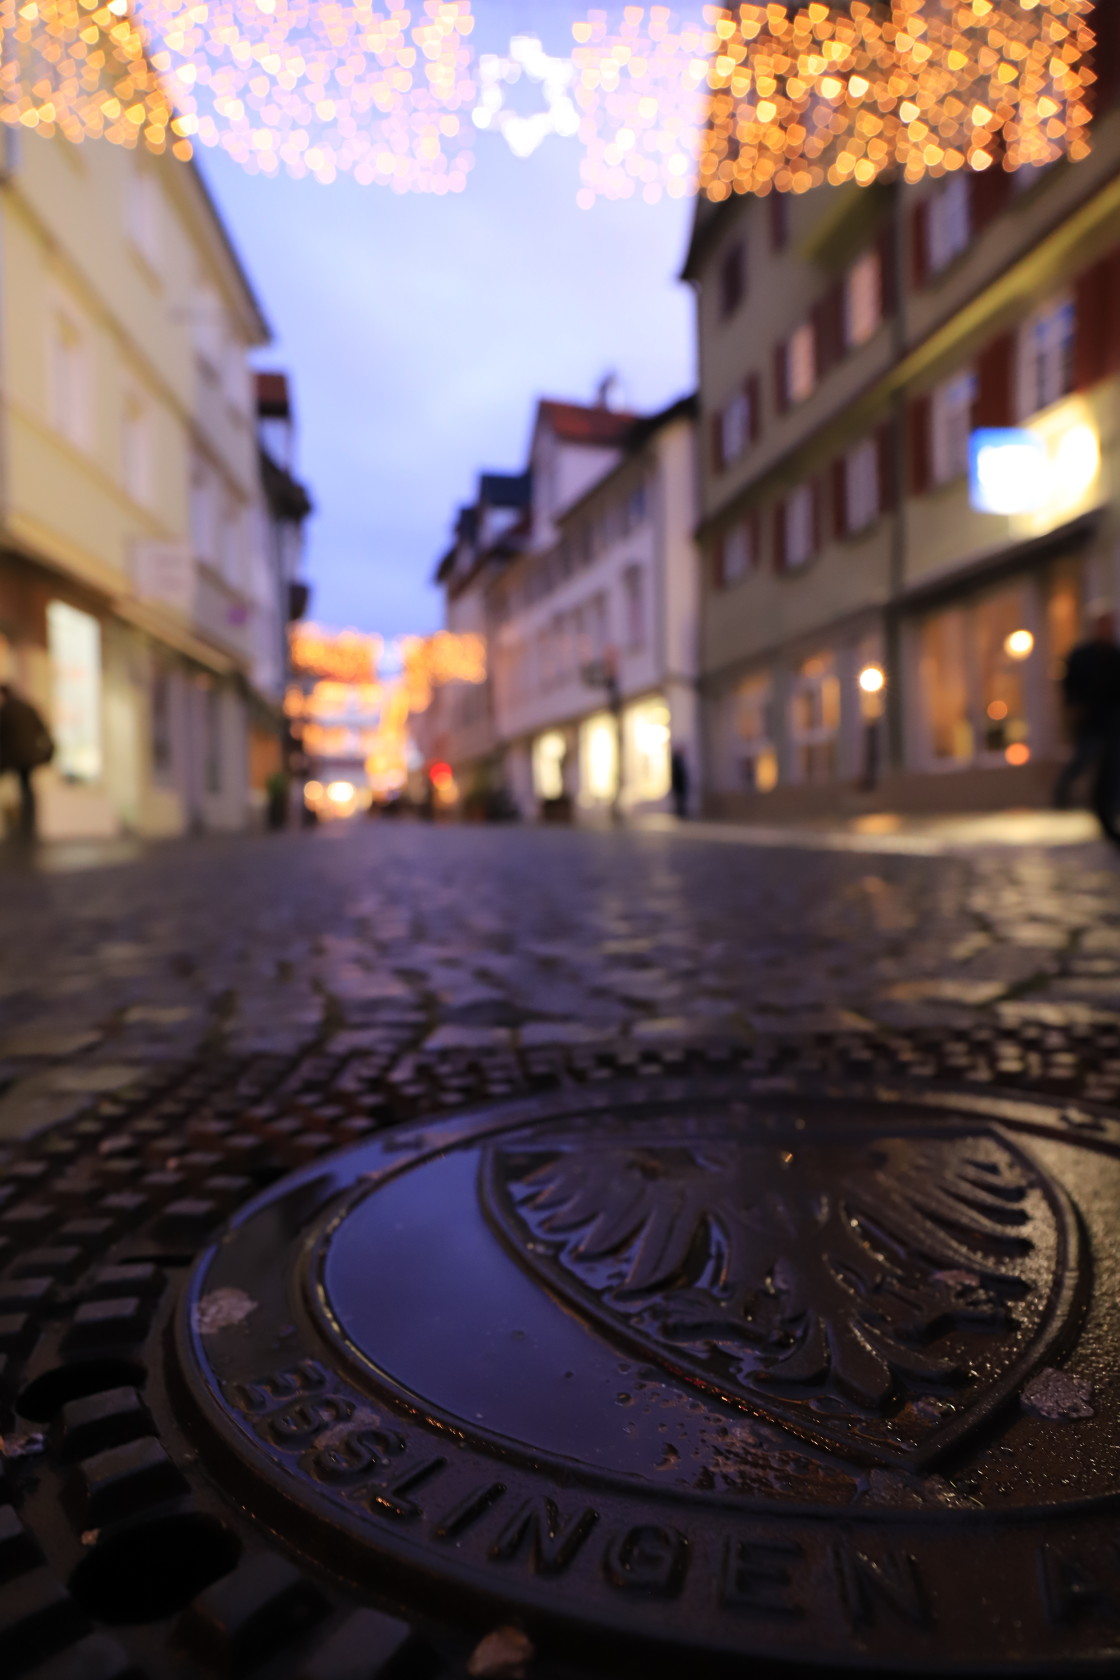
872	682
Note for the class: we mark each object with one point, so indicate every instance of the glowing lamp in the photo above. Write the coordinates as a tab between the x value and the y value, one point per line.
441	775
872	679
1009	471
1077	461
1019	645
1018	753
340	793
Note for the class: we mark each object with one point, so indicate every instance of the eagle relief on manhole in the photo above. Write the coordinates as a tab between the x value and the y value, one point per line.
765	1371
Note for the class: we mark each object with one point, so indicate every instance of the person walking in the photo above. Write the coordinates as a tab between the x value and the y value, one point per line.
1091	688
679	780
25	744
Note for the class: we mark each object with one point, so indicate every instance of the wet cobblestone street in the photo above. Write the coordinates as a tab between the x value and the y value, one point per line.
476	952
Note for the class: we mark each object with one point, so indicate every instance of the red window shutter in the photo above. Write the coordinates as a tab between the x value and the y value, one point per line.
839	497
919	246
717	443
781	378
1105	24
884	450
754	403
1091	347
780	536
991	192
888	279
994	370
919	439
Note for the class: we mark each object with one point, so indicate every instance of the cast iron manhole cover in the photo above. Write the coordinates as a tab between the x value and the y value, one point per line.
704	1369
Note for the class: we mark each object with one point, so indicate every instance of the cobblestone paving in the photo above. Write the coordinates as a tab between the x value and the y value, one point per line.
405	951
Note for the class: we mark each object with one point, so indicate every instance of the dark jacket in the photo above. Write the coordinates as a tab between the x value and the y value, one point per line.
25	740
1092	681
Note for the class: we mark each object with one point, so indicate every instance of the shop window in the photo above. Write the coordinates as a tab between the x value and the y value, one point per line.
1004	649
1047	343
646	732
950	427
634	607
863	300
74	645
755	760
549	753
598	758
815	720
1063	618
212	737
944	683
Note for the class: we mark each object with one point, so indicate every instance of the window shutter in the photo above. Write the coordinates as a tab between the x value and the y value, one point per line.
780	536
781	378
888	279
719	574
839	497
994	396
817	494
920	441
1105	24
754	404
919	246
1097	344
884	456
991	191
717	442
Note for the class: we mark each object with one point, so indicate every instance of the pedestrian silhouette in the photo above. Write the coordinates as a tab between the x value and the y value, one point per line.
25	744
1091	687
679	780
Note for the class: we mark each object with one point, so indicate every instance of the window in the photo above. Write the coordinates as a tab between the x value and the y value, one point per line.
212	731
732	280
74	645
230	541
136	447
755	763
950	422
739	552
68	377
144	213
863	300
646	742
634	607
949	228
973	681
635	508
598	758
549	753
204	512
861	485
815	720
800	526
738	423
1046	352
801	363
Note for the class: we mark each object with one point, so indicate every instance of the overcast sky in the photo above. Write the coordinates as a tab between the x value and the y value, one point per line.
419	332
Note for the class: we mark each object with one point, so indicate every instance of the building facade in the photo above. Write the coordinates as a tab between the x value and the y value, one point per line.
138	605
868	635
586	591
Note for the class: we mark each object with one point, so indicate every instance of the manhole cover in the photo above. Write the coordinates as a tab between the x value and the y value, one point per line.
665	1368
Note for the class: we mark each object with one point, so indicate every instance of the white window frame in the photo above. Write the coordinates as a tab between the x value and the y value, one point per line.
951	408
949	225
1045	356
735	427
862	490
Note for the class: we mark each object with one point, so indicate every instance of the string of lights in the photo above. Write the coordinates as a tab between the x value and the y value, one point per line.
737	98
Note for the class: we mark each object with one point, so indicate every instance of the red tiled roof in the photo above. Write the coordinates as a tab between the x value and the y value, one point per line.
273	399
605	428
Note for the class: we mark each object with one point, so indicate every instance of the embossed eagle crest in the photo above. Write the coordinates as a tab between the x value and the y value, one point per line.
878	1294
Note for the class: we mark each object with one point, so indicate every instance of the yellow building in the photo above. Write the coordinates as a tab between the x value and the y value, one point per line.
864	619
137	606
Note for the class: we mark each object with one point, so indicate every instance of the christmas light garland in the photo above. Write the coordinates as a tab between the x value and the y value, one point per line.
743	98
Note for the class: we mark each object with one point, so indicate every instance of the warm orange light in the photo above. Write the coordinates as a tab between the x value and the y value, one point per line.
997	711
1019	645
344	656
340	793
872	679
441	775
1018	753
